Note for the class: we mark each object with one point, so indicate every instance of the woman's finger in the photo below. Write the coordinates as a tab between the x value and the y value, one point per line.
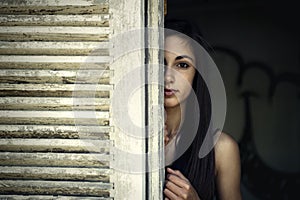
179	182
170	194
177	173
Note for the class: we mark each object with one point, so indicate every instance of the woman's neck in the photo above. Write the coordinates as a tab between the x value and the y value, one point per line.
174	119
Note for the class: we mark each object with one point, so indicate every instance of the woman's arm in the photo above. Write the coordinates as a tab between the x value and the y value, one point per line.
228	168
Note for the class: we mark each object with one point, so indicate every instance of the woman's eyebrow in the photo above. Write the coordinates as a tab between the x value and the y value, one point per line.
183	56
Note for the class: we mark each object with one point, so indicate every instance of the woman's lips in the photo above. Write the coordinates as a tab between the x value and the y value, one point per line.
170	92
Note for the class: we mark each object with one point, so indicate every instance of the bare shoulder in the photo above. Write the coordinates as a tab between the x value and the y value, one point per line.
228	168
226	151
226	142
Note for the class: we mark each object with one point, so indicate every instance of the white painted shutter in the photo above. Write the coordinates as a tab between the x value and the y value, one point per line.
44	152
42	45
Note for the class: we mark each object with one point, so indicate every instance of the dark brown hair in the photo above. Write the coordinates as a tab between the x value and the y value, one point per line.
199	171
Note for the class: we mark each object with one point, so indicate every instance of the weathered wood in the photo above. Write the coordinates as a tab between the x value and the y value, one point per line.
57	87
52	2
51	103
53	93
126	17
53	66
44	151
49	51
55	90
64	132
54	29
55	159
54	48
56	59
54	33
54	145
54	10
54	76
100	20
55	188
53	7
54	121
53	37
45	73
45	197
54	173
55	45
54	114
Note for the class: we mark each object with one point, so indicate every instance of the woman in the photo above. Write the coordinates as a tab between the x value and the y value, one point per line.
187	175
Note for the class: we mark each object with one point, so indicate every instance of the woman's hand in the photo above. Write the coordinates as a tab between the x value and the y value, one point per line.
178	187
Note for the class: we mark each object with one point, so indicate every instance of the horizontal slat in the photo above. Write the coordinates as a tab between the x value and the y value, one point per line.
54	145
68	132
55	188
56	59
55	90
55	20
55	159
54	48
54	173
53	66
45	197
53	37
53	33
55	76
53	29
57	87
54	117
54	114
52	2
51	103
53	9
53	121
54	45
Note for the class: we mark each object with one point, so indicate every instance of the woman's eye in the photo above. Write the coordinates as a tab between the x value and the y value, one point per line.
182	65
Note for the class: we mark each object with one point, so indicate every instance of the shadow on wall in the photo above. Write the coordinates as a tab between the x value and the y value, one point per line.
265	108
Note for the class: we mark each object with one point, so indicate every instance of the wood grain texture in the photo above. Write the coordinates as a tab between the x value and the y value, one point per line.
54	145
54	48
53	37
99	20
83	60
53	65
50	159
54	131
52	2
53	10
54	104
55	90
55	76
49	197
55	188
54	173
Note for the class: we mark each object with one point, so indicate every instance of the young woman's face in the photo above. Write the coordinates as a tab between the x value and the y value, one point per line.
179	70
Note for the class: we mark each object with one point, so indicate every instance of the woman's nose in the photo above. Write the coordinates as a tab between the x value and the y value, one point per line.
169	75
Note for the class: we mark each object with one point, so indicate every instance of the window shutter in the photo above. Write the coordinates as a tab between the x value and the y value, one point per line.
42	154
48	151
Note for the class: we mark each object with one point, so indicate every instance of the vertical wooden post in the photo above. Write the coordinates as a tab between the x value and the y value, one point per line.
133	17
155	145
